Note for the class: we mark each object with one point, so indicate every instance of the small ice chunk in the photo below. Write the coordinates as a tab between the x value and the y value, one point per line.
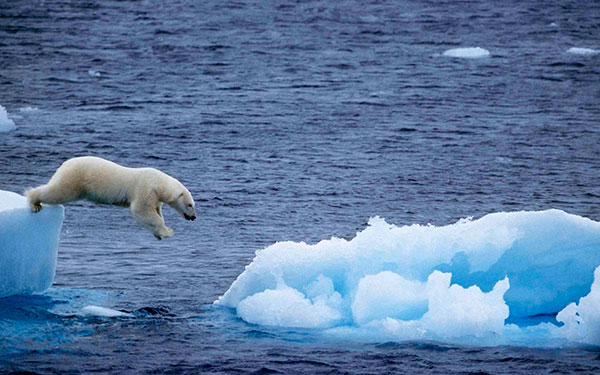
94	73
92	310
583	51
467	52
28	109
6	124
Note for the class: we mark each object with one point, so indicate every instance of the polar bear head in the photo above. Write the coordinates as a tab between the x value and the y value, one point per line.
173	193
184	204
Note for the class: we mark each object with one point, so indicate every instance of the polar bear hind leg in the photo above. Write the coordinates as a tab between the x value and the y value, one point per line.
149	216
33	197
51	193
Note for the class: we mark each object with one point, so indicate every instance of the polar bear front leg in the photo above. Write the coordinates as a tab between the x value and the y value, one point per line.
147	214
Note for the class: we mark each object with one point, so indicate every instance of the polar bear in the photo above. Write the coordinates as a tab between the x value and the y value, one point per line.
143	190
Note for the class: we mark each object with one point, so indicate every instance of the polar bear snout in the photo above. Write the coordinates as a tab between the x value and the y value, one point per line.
185	205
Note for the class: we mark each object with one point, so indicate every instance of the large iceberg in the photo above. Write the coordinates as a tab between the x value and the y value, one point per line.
506	276
28	245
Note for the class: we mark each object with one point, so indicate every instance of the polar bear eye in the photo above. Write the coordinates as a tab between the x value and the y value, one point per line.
189	205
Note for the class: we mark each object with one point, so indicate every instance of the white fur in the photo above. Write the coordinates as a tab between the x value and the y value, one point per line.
143	190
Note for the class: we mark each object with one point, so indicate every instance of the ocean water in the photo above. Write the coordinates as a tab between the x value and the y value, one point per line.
286	121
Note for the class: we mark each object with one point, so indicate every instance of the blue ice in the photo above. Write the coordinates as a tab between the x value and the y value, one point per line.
28	245
520	277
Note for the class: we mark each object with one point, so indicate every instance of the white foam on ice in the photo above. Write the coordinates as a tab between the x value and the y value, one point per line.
6	124
92	310
28	245
467	52
583	51
468	279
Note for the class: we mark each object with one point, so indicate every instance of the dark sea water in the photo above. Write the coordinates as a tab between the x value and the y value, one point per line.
287	121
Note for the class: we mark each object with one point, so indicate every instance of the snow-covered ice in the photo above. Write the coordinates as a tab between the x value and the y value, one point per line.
583	51
28	245
6	124
467	52
482	278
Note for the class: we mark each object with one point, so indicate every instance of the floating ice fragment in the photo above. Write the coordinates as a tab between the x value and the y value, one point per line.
28	109
583	51
28	245
467	52
6	124
94	73
92	310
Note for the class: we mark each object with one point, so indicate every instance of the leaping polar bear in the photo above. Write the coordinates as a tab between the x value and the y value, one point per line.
143	190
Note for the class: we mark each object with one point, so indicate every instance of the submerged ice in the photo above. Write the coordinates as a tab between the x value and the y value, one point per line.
28	245
92	310
510	275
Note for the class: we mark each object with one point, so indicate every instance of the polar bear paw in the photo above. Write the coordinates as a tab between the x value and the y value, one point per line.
35	207
33	198
164	233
